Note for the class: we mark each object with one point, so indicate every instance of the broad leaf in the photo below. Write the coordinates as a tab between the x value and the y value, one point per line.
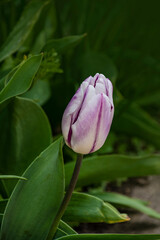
87	208
34	203
40	92
25	132
22	78
111	167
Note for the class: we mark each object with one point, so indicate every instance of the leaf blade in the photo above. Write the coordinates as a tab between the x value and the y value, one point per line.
112	237
87	208
114	166
22	78
22	29
116	198
45	177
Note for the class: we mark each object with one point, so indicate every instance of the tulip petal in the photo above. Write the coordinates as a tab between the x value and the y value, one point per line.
87	119
72	110
104	123
94	80
84	129
100	88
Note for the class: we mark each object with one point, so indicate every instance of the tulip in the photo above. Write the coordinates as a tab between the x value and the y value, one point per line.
87	118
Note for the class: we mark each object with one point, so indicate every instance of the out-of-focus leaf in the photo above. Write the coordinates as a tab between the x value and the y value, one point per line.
25	132
63	230
111	167
1	217
60	233
65	227
22	29
21	79
62	44
119	199
87	208
3	203
11	177
34	203
134	121
40	92
112	237
93	62
3	75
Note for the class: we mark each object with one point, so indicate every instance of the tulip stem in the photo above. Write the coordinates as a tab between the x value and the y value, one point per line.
67	197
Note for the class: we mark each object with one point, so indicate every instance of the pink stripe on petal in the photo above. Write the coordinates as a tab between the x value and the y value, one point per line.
105	123
83	131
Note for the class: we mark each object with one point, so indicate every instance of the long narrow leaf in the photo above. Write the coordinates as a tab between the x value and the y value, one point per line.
112	237
111	167
22	29
119	199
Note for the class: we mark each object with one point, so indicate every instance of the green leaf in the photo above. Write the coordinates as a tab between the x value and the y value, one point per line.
110	167
1	217
25	133
22	78
87	208
93	62
22	29
11	177
116	198
40	92
63	230
112	237
59	233
34	203
62	44
3	203
134	121
65	227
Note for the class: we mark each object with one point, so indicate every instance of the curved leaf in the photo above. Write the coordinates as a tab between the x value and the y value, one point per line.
40	92
34	203
11	177
22	78
110	167
87	208
119	199
25	132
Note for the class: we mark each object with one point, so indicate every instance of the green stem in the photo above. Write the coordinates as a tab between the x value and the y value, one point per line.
67	197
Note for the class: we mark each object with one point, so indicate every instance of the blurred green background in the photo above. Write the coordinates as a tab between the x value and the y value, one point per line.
117	38
47	48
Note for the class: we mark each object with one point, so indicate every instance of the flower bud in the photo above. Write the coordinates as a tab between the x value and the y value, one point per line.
87	119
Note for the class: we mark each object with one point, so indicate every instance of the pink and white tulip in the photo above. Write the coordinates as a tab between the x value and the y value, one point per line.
87	119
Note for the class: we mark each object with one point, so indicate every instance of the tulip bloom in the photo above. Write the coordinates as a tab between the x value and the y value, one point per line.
87	119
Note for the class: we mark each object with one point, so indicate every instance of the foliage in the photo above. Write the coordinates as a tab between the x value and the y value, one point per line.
46	51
